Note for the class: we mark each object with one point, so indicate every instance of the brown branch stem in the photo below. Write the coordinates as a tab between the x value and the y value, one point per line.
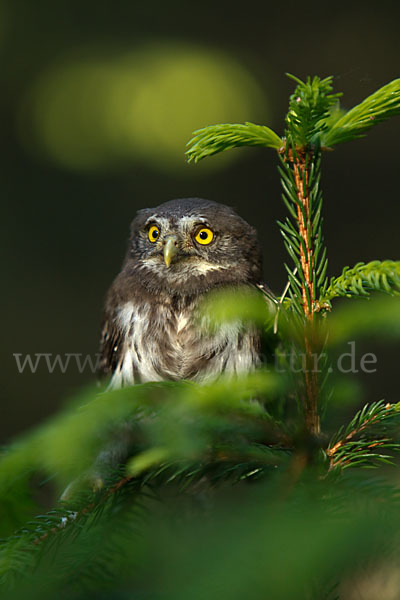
301	175
310	398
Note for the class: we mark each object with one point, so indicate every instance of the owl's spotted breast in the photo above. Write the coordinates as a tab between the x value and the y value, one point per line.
177	253
160	343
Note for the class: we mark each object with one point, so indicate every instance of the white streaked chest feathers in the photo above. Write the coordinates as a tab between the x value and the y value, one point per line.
162	343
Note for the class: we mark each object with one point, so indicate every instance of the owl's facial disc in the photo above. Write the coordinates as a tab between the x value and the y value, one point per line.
178	243
188	245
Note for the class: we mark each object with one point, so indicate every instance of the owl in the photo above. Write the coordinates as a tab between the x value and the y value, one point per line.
177	253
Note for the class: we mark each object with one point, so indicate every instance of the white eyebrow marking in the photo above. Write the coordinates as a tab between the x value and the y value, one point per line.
189	222
193	219
162	221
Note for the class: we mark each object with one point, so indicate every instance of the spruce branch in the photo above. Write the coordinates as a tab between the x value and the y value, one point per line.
361	442
378	107
70	521
209	432
85	553
63	516
310	106
364	278
218	138
300	246
300	171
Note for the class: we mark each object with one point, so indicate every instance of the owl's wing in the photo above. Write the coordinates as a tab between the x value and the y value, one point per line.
111	346
117	358
269	340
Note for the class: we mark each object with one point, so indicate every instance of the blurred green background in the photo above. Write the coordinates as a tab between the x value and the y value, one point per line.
97	102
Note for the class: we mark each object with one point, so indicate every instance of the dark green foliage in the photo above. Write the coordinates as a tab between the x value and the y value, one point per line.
233	489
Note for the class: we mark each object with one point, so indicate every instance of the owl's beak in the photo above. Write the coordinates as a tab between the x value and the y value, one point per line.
170	249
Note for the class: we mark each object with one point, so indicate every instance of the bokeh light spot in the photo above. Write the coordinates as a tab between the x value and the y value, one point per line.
91	113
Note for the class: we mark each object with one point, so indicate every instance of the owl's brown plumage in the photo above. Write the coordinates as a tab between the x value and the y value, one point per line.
178	252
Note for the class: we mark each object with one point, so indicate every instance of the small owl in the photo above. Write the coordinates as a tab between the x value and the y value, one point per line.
177	253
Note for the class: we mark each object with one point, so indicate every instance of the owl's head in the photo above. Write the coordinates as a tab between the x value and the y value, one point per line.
188	245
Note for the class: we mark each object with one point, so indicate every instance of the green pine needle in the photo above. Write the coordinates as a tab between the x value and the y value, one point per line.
380	106
361	443
310	106
218	138
364	278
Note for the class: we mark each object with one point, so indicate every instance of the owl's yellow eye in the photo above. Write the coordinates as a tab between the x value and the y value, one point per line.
154	233
204	236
